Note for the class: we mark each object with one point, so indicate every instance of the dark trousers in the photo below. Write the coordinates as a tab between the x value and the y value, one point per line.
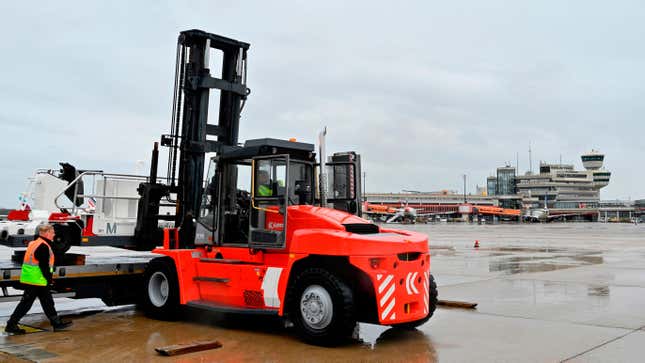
28	297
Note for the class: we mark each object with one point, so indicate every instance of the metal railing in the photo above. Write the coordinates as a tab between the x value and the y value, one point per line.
94	173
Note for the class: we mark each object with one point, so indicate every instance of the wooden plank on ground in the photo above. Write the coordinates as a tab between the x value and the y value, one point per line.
457	304
188	347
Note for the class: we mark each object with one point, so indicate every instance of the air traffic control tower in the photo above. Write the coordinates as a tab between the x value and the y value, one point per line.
593	161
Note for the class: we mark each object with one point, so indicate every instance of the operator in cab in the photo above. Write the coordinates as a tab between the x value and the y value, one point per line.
36	279
264	184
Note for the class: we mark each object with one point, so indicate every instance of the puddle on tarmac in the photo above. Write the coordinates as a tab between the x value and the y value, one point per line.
526	249
435	253
600	290
497	254
441	247
440	250
515	267
390	343
539	259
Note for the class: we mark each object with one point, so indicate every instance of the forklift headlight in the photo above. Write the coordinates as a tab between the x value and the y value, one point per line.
376	262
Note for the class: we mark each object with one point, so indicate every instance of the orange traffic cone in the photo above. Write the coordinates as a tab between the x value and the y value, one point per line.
476	243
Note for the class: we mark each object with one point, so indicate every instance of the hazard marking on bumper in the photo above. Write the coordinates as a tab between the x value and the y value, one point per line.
386	298
426	292
409	283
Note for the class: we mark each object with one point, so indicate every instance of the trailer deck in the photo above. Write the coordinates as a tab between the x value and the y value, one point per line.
107	273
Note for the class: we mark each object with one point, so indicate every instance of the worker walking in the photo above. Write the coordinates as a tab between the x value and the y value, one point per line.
36	279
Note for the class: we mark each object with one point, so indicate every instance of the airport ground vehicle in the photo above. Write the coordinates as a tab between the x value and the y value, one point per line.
278	252
86	207
262	235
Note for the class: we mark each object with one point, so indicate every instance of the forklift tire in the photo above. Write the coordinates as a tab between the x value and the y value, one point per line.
432	306
321	308
161	290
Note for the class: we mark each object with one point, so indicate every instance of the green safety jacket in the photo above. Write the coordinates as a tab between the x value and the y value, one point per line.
265	191
31	273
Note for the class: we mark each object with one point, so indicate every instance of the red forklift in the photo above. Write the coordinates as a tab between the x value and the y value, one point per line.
261	234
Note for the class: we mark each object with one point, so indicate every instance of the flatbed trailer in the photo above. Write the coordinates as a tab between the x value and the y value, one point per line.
114	275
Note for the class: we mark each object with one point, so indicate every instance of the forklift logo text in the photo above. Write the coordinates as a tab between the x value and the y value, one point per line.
276	226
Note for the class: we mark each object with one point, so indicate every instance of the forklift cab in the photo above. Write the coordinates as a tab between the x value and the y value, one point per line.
276	183
249	188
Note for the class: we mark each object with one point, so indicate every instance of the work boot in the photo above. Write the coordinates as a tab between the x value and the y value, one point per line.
13	328
59	324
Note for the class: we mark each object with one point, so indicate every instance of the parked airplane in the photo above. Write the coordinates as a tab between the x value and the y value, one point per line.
405	214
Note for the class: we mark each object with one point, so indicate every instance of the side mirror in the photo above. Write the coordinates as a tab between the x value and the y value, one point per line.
303	191
352	207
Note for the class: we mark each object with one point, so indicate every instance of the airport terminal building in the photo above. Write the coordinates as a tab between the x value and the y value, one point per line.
558	187
556	192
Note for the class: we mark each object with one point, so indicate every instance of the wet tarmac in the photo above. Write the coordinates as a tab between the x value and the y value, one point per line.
558	292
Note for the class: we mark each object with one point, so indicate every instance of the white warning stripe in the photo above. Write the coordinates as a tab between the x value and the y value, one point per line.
426	296
387	299
414	288
387	295
384	284
409	283
425	281
387	310
270	287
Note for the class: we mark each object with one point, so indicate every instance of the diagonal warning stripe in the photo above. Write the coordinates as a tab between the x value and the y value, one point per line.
387	295
384	284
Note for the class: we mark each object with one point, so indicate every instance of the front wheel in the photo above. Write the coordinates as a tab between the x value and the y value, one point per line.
321	307
432	306
161	289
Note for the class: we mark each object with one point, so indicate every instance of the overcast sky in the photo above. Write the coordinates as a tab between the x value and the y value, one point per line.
426	91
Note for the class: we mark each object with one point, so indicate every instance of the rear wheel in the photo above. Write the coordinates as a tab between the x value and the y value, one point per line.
321	307
161	289
432	306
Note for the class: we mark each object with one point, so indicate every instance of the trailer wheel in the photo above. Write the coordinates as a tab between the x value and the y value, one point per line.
432	306
161	289
321	307
67	234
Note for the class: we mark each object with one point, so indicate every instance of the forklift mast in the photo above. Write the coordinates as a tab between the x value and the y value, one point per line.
189	140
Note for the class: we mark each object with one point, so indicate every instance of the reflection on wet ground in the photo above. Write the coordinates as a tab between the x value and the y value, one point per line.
527	249
442	251
547	260
576	289
601	290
